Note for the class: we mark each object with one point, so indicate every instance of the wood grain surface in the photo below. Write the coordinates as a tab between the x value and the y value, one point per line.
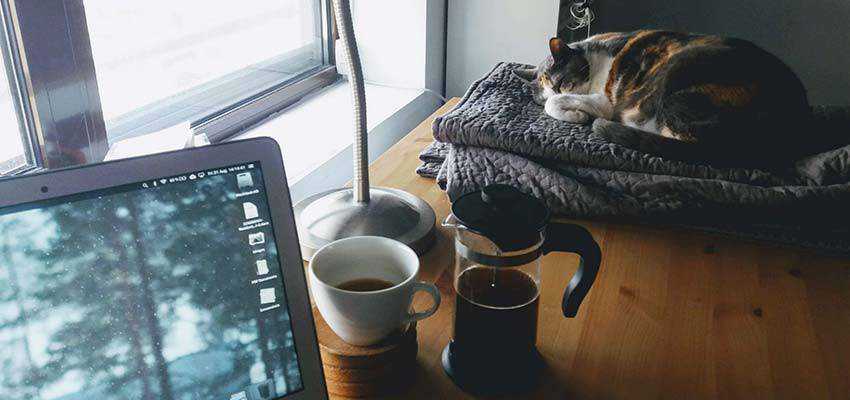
674	314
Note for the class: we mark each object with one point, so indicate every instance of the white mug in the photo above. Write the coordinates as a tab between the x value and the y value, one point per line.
366	318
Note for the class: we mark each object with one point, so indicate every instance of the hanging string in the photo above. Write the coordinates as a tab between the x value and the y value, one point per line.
581	16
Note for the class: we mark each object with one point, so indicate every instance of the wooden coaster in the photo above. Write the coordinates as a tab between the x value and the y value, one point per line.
360	375
395	350
358	371
370	389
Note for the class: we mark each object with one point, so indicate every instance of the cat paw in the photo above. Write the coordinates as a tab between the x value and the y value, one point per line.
571	116
576	117
562	108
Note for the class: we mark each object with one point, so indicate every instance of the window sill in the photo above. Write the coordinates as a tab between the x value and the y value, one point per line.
316	134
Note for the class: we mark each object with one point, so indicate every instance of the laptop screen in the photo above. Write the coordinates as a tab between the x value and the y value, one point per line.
164	289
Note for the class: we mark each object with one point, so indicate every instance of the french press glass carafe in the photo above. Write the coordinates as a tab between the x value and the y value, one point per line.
500	235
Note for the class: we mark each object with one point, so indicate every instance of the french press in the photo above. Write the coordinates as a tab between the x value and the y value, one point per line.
500	235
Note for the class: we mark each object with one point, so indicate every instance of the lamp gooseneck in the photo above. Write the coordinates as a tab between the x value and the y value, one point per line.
361	210
360	184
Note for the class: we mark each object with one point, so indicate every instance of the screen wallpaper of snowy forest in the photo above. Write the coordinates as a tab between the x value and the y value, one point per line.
155	292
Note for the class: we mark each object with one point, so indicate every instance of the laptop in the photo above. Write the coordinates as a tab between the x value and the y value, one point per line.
175	276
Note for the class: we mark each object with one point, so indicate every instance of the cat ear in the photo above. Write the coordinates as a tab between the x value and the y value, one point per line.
526	74
557	47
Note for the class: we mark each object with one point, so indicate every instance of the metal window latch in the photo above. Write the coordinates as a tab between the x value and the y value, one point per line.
197	139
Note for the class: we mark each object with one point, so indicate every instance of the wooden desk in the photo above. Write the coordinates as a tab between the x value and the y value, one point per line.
673	314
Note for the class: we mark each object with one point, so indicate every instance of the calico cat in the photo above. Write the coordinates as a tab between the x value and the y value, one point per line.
678	95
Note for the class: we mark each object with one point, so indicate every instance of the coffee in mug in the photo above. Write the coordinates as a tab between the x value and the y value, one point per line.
363	287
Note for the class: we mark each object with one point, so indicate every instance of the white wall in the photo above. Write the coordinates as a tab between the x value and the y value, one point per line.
482	33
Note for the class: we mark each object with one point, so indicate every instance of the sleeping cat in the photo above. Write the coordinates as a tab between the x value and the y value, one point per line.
678	95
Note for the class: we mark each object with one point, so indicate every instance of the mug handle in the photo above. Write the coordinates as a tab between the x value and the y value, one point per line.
432	290
572	238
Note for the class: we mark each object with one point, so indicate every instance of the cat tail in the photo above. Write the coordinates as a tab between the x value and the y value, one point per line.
648	142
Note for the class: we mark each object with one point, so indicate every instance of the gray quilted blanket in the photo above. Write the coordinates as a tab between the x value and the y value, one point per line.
497	134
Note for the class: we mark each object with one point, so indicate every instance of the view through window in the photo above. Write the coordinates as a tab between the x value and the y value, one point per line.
12	154
160	63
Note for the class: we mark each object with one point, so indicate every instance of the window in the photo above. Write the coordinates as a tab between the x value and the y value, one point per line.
162	62
12	154
15	154
100	71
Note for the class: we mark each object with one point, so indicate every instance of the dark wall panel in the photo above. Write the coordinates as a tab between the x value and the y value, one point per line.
812	36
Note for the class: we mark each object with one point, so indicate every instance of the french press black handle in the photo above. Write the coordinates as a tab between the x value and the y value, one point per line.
570	238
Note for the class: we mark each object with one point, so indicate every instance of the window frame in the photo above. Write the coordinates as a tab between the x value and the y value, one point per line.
23	110
53	68
249	112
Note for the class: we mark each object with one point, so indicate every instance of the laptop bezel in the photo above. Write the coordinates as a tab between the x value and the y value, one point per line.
71	181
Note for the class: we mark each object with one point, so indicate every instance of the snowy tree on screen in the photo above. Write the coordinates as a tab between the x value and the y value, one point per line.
96	267
17	369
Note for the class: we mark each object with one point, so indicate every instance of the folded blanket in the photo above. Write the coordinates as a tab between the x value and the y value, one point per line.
432	159
498	135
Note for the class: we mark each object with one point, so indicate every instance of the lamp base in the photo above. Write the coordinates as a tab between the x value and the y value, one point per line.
332	215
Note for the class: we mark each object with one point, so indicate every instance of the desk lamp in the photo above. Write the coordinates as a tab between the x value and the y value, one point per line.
361	210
